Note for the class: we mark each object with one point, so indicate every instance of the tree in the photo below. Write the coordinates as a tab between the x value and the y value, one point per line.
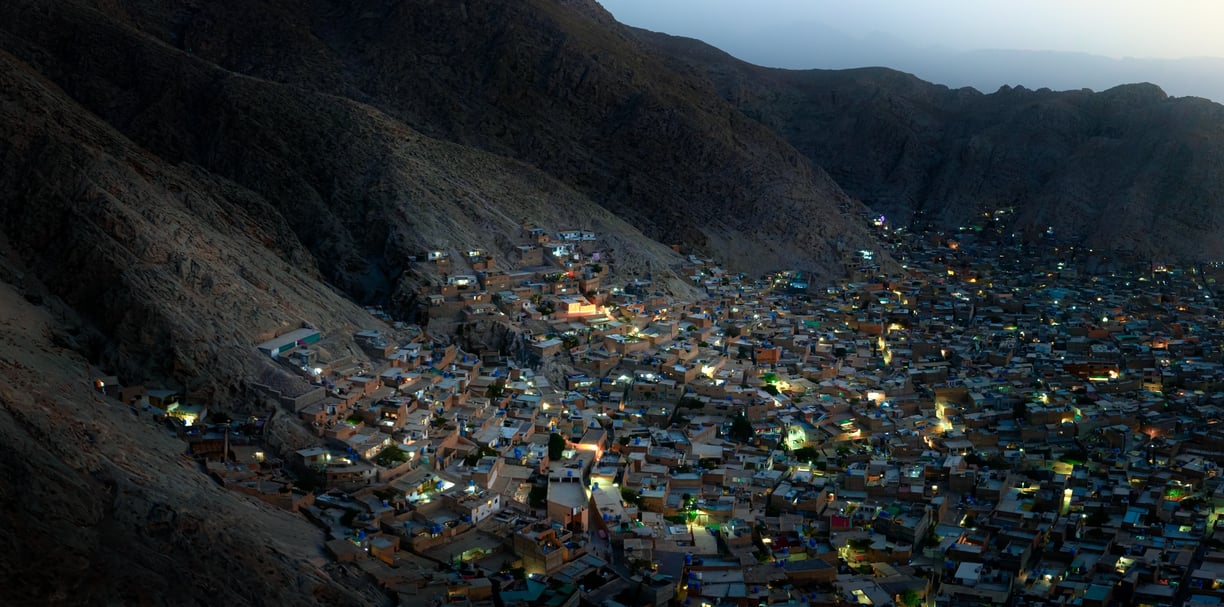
474	457
556	446
805	454
390	456
688	402
741	428
1096	519
495	390
911	598
538	496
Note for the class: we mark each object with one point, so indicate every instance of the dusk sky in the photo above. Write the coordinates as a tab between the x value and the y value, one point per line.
941	40
1115	28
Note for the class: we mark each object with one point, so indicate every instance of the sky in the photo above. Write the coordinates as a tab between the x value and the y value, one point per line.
1114	28
1126	40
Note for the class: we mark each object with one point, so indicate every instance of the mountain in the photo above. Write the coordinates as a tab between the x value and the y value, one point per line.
1129	168
181	180
559	86
801	45
983	69
108	253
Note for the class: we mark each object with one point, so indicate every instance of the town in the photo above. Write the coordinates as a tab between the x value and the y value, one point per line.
989	423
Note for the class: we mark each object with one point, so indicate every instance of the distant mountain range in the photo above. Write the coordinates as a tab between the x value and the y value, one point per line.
1129	168
807	45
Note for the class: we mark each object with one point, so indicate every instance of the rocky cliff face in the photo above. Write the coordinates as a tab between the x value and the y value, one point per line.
1125	169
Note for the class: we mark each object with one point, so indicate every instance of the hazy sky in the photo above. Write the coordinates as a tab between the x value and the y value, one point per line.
1114	28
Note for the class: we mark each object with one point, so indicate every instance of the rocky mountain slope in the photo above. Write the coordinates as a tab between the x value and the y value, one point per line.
101	507
1125	169
312	91
180	180
360	190
110	256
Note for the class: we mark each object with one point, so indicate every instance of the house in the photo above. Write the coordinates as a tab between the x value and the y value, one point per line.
546	348
545	548
568	504
472	504
574	306
289	341
108	385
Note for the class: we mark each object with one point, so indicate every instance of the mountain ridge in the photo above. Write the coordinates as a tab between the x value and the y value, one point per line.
1127	169
513	92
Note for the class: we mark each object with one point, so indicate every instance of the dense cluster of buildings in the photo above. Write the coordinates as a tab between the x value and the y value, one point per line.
987	425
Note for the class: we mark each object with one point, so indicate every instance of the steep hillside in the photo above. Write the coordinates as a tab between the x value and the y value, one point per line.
173	273
1129	168
557	85
179	179
101	508
359	189
109	256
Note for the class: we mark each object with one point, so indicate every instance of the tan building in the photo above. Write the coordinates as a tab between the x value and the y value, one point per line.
545	549
569	505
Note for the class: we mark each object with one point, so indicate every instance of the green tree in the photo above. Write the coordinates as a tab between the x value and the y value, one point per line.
390	456
556	446
495	390
805	454
474	457
688	402
741	428
538	496
911	599
1096	519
